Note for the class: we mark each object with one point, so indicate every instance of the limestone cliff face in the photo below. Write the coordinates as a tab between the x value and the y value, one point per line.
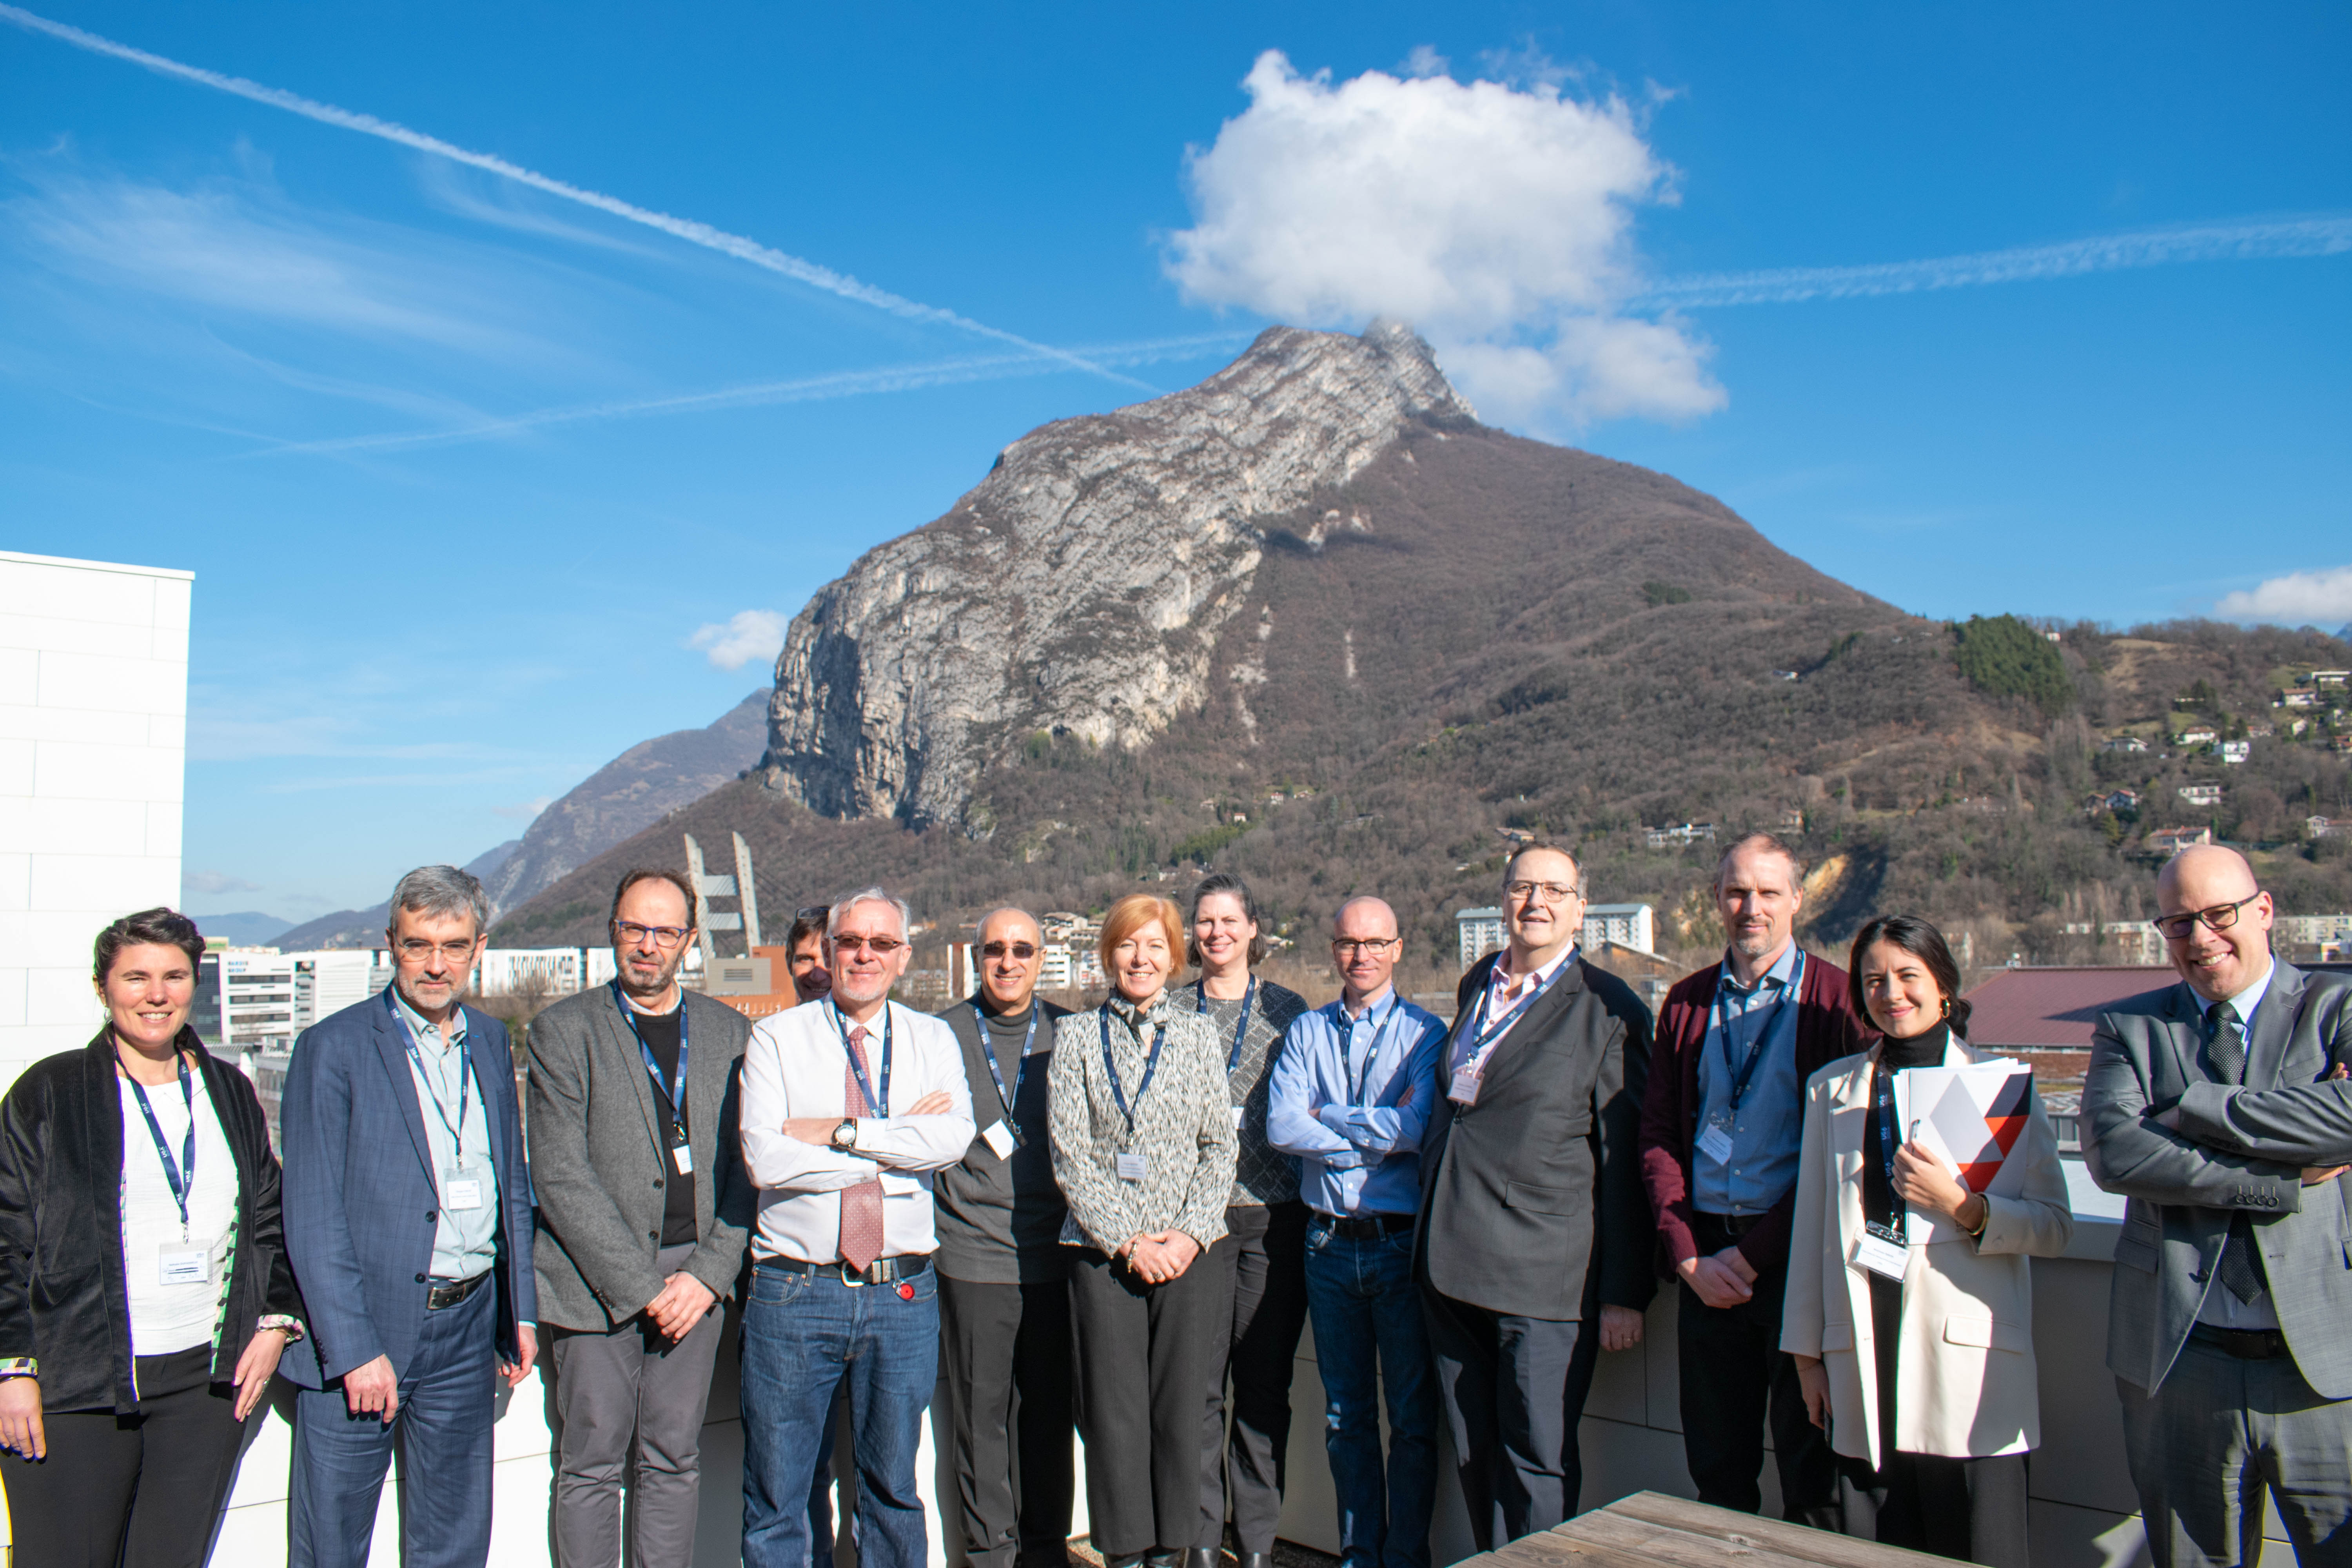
1080	587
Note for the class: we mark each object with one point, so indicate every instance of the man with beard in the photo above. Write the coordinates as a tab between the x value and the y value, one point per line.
644	1212
1721	1135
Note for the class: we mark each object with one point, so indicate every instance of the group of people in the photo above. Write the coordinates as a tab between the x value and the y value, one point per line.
1115	1222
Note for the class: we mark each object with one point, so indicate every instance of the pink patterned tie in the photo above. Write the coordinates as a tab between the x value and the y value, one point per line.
861	1205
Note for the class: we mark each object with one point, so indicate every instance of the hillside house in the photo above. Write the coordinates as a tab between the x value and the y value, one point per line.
2173	840
2114	800
2334	679
2122	744
2300	697
1677	836
2236	751
2199	737
2200	793
2321	826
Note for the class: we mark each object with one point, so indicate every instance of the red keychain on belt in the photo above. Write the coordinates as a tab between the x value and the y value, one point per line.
906	1292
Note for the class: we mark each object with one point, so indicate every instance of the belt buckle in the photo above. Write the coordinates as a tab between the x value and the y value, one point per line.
855	1281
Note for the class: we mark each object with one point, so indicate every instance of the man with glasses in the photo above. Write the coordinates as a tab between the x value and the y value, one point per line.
643	1211
1004	1305
408	1221
1351	1092
1536	1238
849	1106
2220	1108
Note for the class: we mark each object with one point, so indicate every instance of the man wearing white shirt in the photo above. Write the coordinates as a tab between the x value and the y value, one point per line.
849	1105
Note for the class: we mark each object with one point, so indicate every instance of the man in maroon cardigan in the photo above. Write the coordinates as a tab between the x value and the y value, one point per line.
1720	1133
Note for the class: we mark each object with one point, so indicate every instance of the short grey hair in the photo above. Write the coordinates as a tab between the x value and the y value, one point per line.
1763	844
840	910
442	890
1533	844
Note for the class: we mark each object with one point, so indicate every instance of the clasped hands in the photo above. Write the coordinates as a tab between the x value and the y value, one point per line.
2170	1119
1156	1257
819	1130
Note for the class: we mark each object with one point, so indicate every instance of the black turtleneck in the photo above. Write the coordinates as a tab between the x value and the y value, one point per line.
1921	1050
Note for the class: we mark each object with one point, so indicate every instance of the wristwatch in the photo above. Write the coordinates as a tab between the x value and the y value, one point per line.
845	1135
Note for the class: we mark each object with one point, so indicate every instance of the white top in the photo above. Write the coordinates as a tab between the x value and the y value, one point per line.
795	1066
167	1318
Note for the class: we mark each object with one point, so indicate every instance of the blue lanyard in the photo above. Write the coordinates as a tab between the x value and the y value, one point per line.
1240	1025
673	1091
1743	1071
464	1080
1885	1102
1481	1037
1110	1067
988	1052
873	1106
181	1178
1359	1082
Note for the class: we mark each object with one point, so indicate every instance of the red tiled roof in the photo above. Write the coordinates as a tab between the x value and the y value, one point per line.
2054	1007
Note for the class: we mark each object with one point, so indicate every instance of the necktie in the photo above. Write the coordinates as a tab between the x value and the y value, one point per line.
861	1205
2225	1054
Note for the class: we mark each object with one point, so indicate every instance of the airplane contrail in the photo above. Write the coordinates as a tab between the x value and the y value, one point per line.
2325	236
796	267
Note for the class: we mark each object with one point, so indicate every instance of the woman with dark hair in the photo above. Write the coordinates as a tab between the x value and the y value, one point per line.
1916	1356
1264	1254
137	1189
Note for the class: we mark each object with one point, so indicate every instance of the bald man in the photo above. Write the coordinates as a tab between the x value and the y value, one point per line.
2218	1107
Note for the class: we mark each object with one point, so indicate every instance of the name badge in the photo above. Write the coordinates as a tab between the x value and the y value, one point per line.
1131	1167
1464	1091
999	1139
183	1266
1716	1144
1239	1110
461	1193
682	1156
1879	1250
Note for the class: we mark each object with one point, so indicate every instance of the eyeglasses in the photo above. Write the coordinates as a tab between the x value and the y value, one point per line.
1346	947
1550	892
1020	950
883	946
2220	917
416	949
630	933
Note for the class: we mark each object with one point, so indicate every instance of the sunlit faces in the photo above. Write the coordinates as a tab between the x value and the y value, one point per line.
648	908
1543	901
1011	948
810	978
1758	896
1364	946
1222	932
2218	964
147	994
1899	991
434	957
1141	962
867	952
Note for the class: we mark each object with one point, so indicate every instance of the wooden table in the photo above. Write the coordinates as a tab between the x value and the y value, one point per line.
1651	1530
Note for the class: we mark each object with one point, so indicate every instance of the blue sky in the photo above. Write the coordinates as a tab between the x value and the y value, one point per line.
463	467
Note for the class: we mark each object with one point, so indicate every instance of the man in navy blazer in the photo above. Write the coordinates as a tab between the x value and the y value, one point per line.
408	1220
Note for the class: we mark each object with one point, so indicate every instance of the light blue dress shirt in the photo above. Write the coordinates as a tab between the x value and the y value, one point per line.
1349	1096
2222	1310
1767	1129
465	1241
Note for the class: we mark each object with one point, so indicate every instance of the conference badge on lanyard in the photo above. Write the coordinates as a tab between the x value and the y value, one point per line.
1000	1135
681	1149
1130	1163
1463	1089
185	1264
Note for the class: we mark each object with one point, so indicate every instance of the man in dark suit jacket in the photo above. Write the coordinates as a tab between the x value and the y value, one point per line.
408	1220
1535	1244
644	1209
1721	1135
2220	1108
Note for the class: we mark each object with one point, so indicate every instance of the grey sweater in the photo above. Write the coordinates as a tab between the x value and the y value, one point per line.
1262	1172
1183	1126
1000	1221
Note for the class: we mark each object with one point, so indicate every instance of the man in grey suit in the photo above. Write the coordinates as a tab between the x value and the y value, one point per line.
643	1215
1536	1238
2220	1108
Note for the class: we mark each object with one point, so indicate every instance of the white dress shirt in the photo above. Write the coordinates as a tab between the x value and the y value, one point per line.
795	1066
1504	990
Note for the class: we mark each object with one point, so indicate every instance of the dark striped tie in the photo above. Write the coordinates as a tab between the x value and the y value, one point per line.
2225	1055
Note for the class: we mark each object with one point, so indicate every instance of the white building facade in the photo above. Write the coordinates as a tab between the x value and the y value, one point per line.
93	747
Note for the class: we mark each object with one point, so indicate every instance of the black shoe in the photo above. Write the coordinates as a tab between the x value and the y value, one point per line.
1131	1560
1163	1557
1203	1557
1257	1560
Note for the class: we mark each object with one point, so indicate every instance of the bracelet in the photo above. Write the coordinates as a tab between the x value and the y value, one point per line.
1983	1220
19	1366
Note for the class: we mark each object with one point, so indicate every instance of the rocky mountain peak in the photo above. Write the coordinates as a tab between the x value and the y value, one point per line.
1079	588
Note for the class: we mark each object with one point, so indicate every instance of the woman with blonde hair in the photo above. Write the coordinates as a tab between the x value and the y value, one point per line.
1916	1355
1143	1150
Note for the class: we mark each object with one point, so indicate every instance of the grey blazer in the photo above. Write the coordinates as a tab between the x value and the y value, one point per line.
597	1160
2238	1147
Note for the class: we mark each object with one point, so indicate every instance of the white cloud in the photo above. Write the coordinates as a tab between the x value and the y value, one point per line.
1496	219
213	882
2321	598
524	811
745	636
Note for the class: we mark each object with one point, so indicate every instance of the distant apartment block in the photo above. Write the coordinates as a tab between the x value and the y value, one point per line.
2200	793
2173	840
1627	925
2310	931
1677	836
1481	933
93	723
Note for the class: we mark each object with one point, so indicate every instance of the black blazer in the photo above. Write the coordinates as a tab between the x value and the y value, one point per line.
1531	1200
63	1297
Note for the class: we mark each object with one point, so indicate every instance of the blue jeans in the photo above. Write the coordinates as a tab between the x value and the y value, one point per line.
1361	1297
804	1336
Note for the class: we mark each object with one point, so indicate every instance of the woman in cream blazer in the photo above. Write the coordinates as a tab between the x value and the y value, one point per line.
1924	1381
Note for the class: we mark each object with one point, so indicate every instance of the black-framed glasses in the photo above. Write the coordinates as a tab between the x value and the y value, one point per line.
1550	892
1024	951
1348	947
629	934
2220	917
416	949
883	946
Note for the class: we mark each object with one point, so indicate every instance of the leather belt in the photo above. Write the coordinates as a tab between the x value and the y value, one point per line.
443	1293
1365	1226
1731	1224
881	1271
2246	1344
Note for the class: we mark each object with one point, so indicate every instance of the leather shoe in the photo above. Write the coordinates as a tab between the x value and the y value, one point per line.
1203	1557
1130	1560
1163	1557
1257	1560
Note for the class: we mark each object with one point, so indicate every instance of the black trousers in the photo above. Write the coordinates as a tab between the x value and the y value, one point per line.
1972	1509
1264	1255
1144	1357
1006	1357
1735	1380
1514	1391
142	1491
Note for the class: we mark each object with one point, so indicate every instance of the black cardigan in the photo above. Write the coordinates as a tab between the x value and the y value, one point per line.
63	1299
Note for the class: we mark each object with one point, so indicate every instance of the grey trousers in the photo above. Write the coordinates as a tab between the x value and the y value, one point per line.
631	1394
1144	1357
1264	1260
2206	1446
